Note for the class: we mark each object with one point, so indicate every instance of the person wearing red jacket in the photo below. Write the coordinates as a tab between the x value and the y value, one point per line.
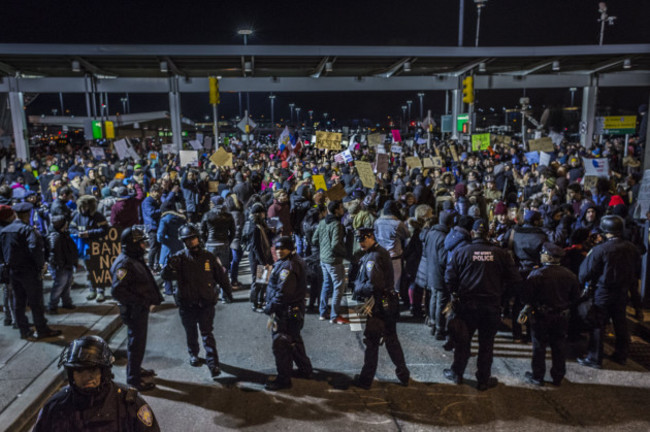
125	212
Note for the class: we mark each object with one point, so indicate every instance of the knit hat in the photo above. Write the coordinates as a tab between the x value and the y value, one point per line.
500	208
460	189
106	192
550	182
616	200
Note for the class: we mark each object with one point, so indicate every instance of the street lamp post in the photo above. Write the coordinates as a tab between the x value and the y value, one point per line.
404	108
409	103
573	92
298	114
291	105
245	33
272	99
480	4
602	8
421	96
123	100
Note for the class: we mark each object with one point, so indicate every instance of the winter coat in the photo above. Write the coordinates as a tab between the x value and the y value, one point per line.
330	238
126	211
170	223
63	251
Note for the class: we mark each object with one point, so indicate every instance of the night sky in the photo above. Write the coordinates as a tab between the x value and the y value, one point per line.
353	22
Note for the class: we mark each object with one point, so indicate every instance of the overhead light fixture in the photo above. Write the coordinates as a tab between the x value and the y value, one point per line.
627	63
329	67
163	67
407	66
76	67
482	67
556	66
248	67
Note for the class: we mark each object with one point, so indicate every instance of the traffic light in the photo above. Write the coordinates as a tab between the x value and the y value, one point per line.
214	91
468	89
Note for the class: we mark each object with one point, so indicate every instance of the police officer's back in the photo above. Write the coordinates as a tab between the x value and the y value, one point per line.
285	302
92	402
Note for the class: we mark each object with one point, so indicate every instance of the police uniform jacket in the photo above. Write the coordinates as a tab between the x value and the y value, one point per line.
197	276
287	285
613	266
375	276
116	408
133	283
22	247
479	271
553	288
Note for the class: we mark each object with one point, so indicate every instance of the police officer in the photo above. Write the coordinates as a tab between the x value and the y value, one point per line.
375	283
550	291
23	251
136	291
613	268
92	401
199	276
218	231
476	275
285	302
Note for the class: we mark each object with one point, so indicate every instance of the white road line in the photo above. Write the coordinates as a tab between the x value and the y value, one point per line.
356	321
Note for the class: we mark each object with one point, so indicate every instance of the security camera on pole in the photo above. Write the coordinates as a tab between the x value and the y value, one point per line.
602	8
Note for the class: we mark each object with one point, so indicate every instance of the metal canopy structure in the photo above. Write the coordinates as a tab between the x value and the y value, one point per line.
177	69
139	68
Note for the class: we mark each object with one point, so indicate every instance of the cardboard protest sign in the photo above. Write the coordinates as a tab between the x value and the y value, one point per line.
427	162
542	144
589	182
437	162
364	169
454	153
533	157
480	142
189	157
396	135
102	252
319	182
213	186
337	192
413	162
596	167
98	152
381	163
328	140
376	139
396	149
169	148
222	158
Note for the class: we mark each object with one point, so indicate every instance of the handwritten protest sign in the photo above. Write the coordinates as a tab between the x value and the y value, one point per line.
396	135
533	157
319	182
480	142
596	167
102	252
396	149
328	140
222	158
381	163
98	152
213	186
169	148
364	169
337	192
189	157
542	144
376	139
413	162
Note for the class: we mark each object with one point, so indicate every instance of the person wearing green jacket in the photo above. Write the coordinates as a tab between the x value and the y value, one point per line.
329	237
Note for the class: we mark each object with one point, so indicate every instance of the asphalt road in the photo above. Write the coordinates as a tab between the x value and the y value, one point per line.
615	398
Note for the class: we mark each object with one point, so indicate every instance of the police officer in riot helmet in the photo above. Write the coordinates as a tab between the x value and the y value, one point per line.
285	303
549	292
375	285
199	275
92	401
136	291
476	275
611	269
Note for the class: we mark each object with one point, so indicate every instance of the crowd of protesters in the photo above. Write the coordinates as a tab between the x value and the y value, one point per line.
419	215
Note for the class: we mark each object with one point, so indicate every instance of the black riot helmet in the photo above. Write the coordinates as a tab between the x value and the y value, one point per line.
187	231
612	225
87	352
131	242
284	242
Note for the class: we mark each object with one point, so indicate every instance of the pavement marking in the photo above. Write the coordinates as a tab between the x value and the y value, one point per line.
356	321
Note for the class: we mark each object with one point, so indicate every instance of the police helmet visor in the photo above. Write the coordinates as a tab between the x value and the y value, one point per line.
82	355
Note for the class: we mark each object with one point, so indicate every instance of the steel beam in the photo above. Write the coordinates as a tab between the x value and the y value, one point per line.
326	84
175	112
317	50
18	120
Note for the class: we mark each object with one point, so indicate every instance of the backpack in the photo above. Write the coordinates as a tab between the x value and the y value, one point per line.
247	234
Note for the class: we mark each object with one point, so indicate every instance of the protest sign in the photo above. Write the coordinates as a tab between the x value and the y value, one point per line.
98	152
589	182
102	252
196	145
454	153
542	144
168	148
121	149
221	158
480	142
396	135
343	157
364	169
643	198
376	139
533	157
213	186
596	167
427	162
413	162
319	182
328	140
189	157
207	143
544	158
396	149
437	162
337	192
381	163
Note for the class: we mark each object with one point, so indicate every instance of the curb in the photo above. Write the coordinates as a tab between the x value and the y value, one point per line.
24	409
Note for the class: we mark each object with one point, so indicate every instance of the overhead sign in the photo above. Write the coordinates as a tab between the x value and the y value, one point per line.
97	129
246	125
460	121
446	123
619	125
